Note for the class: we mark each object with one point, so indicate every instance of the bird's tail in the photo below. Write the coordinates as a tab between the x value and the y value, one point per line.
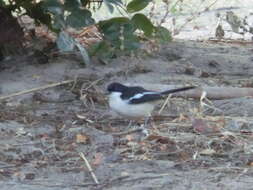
177	90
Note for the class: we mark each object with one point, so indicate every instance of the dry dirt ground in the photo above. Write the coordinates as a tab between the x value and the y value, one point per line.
190	147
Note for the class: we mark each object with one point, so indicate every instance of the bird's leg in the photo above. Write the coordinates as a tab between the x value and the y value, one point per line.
144	127
146	121
130	124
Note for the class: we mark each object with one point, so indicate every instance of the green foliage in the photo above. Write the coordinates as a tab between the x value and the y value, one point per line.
119	33
143	23
162	35
137	5
104	51
77	15
79	18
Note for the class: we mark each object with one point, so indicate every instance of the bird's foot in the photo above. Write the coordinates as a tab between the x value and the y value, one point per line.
144	130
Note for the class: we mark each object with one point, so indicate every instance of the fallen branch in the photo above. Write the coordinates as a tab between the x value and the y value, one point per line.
35	89
89	168
214	93
127	132
53	184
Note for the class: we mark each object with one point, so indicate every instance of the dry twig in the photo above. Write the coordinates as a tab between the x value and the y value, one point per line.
36	89
164	104
89	168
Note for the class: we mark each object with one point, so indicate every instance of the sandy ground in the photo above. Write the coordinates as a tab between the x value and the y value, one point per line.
190	147
43	133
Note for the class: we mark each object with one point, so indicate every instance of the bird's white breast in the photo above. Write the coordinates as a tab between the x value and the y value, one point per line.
131	110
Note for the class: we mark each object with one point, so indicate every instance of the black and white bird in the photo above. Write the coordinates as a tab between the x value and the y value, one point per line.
135	101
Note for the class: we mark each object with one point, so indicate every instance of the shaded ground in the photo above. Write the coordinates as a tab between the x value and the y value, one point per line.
42	133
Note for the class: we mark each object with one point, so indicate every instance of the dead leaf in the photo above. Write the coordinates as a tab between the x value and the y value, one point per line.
165	140
98	158
80	138
124	174
129	138
30	176
207	152
132	144
152	137
160	139
184	155
201	126
36	76
163	147
82	117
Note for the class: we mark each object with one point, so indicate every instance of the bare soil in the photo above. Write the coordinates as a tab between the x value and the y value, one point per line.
190	146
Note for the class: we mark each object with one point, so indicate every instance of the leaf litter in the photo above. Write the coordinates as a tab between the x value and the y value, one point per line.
44	143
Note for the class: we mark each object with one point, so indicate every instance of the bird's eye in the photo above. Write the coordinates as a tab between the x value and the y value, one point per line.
115	87
110	88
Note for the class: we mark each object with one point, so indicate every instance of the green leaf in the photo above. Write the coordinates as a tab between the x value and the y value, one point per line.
2	3
71	5
137	5
84	53
115	28
53	6
131	43
174	8
111	28
103	51
103	25
100	48
80	18
162	34
143	23
38	14
65	42
58	22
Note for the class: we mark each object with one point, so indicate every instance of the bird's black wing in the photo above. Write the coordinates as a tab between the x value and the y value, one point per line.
137	95
131	92
145	97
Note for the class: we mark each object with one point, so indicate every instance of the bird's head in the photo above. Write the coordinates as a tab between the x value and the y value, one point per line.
115	87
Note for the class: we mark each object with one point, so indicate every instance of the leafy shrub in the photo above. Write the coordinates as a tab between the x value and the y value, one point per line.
119	33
